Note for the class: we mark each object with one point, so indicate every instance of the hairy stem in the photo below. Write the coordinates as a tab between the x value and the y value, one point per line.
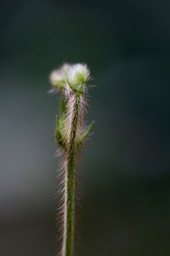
70	182
71	82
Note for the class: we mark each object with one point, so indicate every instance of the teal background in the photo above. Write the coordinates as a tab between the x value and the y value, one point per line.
124	167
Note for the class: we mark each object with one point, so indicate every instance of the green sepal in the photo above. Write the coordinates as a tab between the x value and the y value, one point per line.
86	133
62	105
58	131
60	121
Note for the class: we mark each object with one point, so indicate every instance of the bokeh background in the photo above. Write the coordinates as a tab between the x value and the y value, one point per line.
124	168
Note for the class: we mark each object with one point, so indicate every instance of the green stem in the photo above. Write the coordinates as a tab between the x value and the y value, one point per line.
70	182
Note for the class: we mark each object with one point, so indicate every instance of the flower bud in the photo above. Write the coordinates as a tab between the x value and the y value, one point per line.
57	79
70	77
78	75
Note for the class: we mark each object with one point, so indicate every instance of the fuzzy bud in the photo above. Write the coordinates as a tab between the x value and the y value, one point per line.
57	79
68	77
78	75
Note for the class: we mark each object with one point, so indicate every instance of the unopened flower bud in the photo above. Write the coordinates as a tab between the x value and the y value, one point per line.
78	75
70	77
57	79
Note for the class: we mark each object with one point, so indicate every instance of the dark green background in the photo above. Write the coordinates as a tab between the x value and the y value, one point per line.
124	167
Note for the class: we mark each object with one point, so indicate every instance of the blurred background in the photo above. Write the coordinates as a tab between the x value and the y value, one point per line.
124	167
